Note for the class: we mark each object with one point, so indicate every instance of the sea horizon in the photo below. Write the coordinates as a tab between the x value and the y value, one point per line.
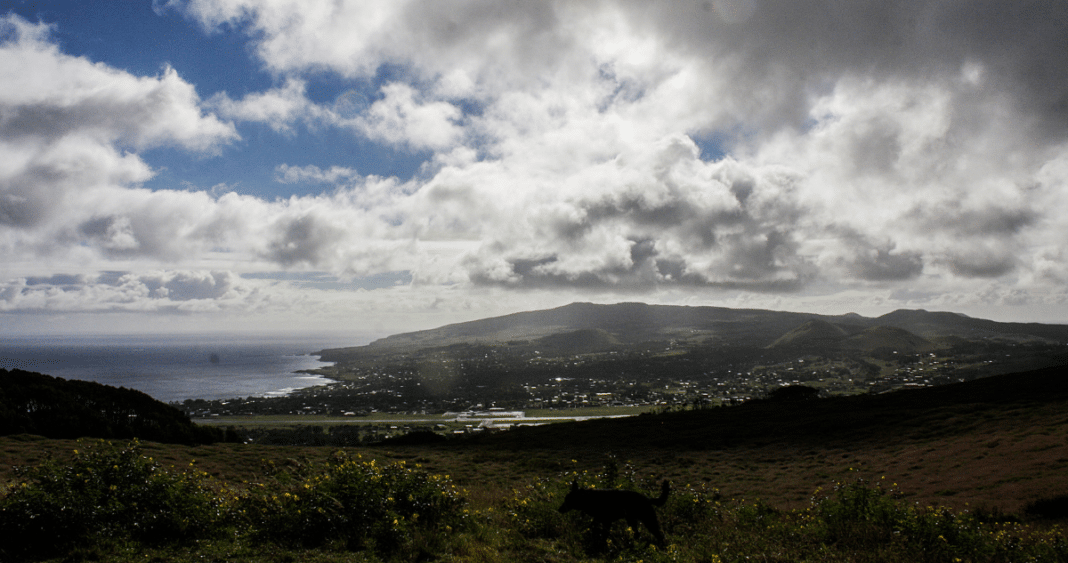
174	368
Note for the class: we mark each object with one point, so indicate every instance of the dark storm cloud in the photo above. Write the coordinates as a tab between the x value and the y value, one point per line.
982	261
877	261
792	49
996	221
766	263
28	198
882	265
698	225
57	280
304	240
187	286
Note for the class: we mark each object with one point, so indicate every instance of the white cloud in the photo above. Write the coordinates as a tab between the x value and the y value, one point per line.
295	174
52	96
873	146
278	108
875	142
66	128
400	118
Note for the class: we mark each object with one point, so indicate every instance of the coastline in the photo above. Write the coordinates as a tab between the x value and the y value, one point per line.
176	370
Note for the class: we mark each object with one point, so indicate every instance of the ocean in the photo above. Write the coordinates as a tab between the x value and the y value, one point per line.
176	368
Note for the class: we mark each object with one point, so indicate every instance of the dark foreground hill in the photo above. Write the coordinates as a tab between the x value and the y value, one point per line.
944	410
53	407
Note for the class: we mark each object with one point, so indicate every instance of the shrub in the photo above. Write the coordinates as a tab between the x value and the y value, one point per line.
355	502
852	521
687	505
860	516
535	510
110	492
856	512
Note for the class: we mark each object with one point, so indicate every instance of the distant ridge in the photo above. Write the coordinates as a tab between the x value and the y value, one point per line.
631	323
627	322
931	324
822	335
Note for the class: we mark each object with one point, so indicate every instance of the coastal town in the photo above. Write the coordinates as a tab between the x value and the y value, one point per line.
374	402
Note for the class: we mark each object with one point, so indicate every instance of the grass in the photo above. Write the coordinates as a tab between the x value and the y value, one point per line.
912	479
376	506
1006	460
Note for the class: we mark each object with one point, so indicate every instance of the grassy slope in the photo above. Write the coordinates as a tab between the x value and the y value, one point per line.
992	443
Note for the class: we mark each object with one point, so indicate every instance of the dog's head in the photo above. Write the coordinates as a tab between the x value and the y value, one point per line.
571	500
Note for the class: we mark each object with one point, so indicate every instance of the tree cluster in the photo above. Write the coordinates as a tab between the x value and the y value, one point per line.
34	403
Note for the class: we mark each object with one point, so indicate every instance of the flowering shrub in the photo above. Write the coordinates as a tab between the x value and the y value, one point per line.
859	516
688	504
107	491
535	509
353	501
113	503
534	512
851	521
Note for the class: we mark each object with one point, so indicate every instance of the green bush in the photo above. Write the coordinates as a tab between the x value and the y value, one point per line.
861	518
109	492
114	503
357	503
687	505
534	511
852	521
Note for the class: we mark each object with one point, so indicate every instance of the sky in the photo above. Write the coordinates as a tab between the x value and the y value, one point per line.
372	167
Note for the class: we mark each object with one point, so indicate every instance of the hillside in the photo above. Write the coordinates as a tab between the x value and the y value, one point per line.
630	323
580	341
942	410
814	333
977	469
35	403
887	338
635	323
585	354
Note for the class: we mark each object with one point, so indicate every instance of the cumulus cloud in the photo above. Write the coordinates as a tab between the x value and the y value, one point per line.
58	96
173	291
278	108
871	142
67	126
288	174
865	146
400	118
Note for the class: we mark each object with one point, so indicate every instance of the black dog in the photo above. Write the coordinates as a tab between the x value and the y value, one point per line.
605	507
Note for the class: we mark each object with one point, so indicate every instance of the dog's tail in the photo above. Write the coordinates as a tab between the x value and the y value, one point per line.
665	488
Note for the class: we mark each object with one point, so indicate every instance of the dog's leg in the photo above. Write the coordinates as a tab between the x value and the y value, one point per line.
600	534
654	527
